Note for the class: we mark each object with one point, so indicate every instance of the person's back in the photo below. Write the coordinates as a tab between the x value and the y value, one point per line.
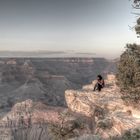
100	83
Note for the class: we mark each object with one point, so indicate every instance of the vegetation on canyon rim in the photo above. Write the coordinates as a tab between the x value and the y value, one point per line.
129	74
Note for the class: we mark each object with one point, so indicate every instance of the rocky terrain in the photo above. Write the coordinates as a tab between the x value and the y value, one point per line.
46	79
89	116
111	118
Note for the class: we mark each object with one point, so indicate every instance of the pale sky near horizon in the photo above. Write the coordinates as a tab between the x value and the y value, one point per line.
85	26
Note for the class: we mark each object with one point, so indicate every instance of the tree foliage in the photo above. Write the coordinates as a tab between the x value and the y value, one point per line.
129	73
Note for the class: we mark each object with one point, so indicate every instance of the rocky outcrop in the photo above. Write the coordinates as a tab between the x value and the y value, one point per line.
111	117
29	112
29	120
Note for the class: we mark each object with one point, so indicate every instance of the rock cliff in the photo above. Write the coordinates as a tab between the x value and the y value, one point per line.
89	116
29	120
109	115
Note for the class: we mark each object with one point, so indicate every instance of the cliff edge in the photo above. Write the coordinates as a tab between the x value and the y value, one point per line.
110	117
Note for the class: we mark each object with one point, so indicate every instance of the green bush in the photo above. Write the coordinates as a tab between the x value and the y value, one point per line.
128	75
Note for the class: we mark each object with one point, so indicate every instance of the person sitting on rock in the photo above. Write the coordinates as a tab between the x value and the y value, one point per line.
100	83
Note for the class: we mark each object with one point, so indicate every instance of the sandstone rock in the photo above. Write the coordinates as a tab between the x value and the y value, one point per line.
112	116
111	77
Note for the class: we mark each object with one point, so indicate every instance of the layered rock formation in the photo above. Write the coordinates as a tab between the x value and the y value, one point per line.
29	120
109	114
46	79
89	116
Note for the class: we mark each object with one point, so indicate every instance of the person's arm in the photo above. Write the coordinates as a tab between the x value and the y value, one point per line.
101	82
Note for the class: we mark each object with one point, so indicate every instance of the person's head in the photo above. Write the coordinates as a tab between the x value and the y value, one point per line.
99	77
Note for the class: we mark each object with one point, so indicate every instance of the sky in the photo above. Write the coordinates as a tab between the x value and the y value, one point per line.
98	27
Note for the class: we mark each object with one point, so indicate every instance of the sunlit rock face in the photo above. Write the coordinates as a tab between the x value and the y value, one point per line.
29	120
111	116
86	101
32	112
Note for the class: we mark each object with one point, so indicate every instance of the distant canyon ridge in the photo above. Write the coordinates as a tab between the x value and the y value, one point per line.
46	79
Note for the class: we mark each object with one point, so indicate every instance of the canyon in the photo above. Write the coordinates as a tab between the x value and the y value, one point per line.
89	115
36	102
46	79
